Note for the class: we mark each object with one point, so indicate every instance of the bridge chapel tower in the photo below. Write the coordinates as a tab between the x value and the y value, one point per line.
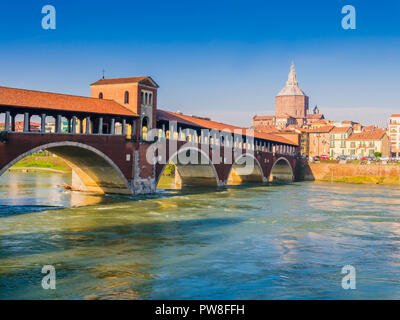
138	94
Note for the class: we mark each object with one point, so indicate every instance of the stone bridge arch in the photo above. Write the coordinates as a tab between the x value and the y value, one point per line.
92	170
246	169
281	171
200	173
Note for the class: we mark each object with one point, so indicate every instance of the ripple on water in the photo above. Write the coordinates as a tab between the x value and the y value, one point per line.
279	242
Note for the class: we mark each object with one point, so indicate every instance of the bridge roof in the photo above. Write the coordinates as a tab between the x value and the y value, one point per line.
10	97
213	125
142	80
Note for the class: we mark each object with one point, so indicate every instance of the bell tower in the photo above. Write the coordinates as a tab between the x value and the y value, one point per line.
138	94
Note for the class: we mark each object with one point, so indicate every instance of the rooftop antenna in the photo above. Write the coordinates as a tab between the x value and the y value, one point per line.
103	72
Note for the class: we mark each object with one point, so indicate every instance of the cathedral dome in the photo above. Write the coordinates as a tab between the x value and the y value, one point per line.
292	88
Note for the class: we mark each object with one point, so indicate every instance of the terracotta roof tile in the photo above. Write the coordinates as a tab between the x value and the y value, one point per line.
123	80
368	135
267	129
213	125
340	129
62	102
369	128
315	116
324	129
263	117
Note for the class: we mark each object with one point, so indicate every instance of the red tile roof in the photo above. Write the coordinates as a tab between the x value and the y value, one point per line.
267	129
213	125
263	117
320	121
123	80
368	135
315	116
369	128
340	129
395	116
62	102
324	129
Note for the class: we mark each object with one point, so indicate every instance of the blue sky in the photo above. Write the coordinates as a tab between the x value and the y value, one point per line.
224	59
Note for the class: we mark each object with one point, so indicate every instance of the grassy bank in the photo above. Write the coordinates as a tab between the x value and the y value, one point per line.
40	161
364	180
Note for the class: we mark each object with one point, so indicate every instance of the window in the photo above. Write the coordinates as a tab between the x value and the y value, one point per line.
145	127
101	95
150	99
126	100
145	99
141	97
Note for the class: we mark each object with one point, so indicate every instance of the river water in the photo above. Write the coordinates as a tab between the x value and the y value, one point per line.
272	242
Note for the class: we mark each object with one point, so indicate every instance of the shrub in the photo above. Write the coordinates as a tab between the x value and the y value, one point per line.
169	170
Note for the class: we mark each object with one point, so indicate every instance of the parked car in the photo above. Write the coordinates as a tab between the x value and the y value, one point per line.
341	158
324	157
317	158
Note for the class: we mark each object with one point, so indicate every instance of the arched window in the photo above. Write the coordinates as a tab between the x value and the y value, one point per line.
101	95
145	125
150	99
126	97
141	97
145	99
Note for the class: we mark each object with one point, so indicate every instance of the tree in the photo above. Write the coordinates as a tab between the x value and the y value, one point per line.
377	154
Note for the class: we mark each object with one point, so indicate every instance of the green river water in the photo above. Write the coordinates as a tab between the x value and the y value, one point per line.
268	242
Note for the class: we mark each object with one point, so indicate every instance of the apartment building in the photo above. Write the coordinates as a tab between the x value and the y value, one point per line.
337	142
365	144
394	135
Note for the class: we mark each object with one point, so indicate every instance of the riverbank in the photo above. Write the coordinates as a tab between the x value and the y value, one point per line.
41	162
349	173
34	169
